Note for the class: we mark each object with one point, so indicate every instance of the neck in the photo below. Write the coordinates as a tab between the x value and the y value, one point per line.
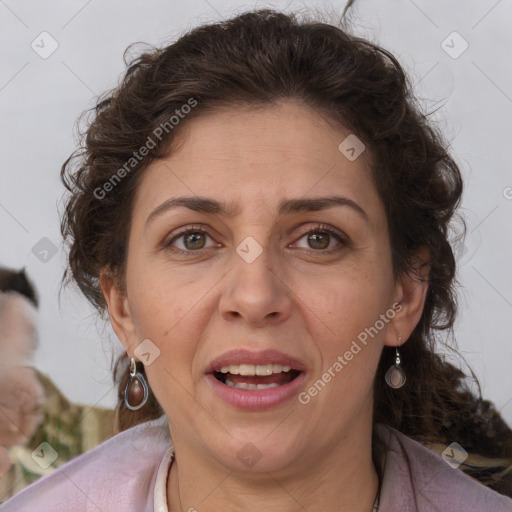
338	479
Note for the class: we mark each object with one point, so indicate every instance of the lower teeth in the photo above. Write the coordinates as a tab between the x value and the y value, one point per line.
250	387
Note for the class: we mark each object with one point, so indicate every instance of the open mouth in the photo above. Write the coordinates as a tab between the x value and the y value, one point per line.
255	377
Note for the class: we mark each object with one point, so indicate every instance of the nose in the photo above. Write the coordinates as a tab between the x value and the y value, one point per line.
256	291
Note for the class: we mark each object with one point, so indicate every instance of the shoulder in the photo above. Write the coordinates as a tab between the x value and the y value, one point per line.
119	474
417	479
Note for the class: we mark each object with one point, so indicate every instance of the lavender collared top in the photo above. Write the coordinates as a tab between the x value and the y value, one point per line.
128	473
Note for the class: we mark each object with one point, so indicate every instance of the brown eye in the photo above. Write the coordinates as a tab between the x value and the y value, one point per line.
193	241
319	240
321	237
188	241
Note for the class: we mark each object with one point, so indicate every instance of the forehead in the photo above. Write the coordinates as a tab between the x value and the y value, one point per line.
258	156
285	132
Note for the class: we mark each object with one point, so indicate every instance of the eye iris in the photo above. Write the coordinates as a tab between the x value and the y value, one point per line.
315	237
194	237
319	240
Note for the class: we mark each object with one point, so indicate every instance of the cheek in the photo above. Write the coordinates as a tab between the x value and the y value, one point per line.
162	294
171	314
345	320
348	351
349	301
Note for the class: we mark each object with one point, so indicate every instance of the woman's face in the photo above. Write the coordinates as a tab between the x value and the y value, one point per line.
251	279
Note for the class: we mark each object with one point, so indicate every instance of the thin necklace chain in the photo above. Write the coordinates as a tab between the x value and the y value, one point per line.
376	504
377	500
375	507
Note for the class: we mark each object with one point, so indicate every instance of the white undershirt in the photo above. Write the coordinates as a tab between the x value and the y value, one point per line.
160	494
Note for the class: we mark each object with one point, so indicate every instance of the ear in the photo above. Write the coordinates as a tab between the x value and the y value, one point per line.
411	292
118	309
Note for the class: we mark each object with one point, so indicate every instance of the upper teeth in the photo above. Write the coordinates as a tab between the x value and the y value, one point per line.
254	369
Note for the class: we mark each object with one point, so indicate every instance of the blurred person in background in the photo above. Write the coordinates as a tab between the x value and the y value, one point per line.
32	409
21	393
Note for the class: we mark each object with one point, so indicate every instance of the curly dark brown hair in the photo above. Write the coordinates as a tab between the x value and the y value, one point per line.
259	58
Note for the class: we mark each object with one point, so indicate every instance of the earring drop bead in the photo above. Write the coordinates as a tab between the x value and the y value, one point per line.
395	376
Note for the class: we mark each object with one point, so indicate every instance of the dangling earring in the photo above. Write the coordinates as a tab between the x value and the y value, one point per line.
136	391
395	376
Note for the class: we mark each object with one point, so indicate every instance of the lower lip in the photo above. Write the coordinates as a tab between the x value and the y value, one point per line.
259	399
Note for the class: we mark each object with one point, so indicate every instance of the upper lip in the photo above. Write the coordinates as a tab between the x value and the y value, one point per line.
243	356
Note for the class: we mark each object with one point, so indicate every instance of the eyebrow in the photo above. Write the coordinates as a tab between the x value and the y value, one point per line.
286	207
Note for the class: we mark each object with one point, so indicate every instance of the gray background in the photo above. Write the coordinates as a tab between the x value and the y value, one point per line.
40	99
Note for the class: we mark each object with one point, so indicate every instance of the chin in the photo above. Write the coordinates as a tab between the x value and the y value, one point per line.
257	454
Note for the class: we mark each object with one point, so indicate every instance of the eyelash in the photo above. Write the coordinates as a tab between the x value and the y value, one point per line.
321	228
